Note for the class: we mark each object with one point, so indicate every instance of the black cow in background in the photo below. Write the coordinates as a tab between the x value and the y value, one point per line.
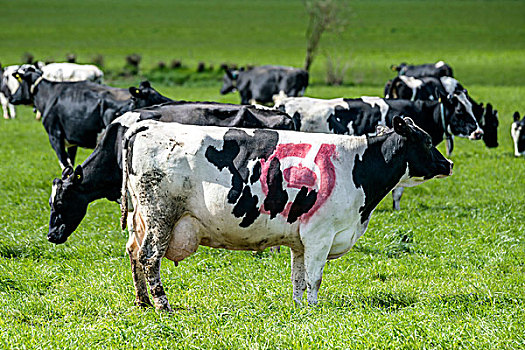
145	96
73	113
438	69
260	84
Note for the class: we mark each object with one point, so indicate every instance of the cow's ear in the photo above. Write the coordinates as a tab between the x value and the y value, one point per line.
145	84
67	172
516	116
17	76
78	175
400	126
135	92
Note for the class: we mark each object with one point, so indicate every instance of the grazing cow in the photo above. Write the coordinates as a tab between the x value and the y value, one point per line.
440	119
72	72
73	113
245	189
431	88
101	172
260	84
517	130
145	95
439	69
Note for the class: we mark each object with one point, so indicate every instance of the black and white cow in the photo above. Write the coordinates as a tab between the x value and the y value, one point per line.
10	91
245	189
100	175
260	84
431	88
74	113
440	119
438	69
517	131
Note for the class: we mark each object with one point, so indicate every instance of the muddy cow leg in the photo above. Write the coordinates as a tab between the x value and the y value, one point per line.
152	250
137	270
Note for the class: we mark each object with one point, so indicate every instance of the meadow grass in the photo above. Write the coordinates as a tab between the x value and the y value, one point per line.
445	272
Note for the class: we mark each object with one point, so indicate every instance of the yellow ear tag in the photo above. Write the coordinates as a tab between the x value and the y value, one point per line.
19	78
78	177
439	99
137	91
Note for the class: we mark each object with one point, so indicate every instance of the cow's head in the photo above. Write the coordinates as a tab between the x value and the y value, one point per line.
25	78
517	130
145	96
461	121
229	81
68	207
423	160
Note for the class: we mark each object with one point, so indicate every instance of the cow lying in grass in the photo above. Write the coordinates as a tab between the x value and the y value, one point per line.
246	189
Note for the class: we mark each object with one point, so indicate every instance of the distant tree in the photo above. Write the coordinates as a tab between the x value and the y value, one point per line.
323	15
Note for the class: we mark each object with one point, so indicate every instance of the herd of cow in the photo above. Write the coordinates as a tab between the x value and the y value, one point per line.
241	177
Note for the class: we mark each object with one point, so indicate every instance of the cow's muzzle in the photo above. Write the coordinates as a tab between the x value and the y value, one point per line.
476	135
57	235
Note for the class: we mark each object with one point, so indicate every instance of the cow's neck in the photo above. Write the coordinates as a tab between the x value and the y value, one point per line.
440	117
101	170
379	170
41	94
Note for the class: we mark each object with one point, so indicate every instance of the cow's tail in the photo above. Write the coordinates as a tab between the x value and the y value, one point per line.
126	164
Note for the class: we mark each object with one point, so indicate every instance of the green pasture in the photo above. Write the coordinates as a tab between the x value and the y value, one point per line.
445	272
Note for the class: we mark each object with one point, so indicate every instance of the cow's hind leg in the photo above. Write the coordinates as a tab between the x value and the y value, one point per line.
152	250
139	280
298	276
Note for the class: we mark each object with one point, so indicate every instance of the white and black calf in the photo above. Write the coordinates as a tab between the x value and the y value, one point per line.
246	189
261	84
438	69
100	175
517	131
11	93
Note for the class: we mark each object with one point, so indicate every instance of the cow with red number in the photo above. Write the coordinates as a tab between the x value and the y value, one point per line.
249	189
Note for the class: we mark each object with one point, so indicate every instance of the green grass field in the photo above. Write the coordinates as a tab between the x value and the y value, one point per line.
446	272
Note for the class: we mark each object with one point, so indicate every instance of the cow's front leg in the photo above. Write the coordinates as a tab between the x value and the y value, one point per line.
396	196
56	140
298	276
152	250
449	143
4	102
137	270
72	153
315	255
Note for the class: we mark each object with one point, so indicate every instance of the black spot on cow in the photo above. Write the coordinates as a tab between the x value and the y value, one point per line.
336	126
303	202
256	173
238	149
247	205
277	197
